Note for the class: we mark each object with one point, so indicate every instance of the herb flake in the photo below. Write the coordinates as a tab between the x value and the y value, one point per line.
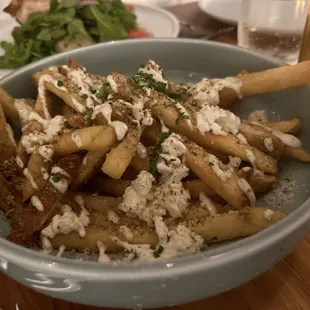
181	116
157	252
154	156
56	178
60	83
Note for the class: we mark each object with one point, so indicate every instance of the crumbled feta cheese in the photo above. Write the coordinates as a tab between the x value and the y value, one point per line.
141	151
46	151
258	116
206	92
64	224
218	121
154	70
136	196
268	214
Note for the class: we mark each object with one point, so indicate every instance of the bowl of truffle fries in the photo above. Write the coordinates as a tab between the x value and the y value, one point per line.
149	173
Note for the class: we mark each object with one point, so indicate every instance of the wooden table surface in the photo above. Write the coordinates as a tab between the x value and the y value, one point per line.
285	286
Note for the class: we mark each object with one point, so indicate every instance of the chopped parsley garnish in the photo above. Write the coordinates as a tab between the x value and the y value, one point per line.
88	116
154	156
103	93
84	96
146	80
158	251
176	97
60	83
211	164
93	91
181	116
55	178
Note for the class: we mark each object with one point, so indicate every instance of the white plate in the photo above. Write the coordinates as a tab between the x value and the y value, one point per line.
227	11
156	21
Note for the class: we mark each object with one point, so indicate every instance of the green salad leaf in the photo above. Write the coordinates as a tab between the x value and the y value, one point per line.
39	36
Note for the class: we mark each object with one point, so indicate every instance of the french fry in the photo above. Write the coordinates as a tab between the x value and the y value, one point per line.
94	138
35	163
27	220
195	187
7	146
100	203
292	126
9	198
139	163
68	92
228	226
268	81
7	103
262	139
120	157
298	154
224	144
75	120
200	163
223	227
18	184
259	181
109	186
92	161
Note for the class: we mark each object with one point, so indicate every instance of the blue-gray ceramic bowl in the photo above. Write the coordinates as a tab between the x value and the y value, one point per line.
176	281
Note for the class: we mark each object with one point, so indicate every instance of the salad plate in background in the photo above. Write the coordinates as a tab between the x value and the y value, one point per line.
150	22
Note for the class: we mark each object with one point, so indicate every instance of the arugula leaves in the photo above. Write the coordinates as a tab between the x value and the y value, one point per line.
66	22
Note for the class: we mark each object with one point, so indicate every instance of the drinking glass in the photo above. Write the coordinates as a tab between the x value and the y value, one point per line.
273	27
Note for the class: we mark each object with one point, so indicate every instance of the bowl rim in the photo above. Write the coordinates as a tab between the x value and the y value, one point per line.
139	271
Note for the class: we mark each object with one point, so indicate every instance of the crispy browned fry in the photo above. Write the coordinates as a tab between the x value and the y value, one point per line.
195	187
292	126
92	161
262	139
75	120
259	181
10	200
268	81
68	92
109	186
100	203
298	154
18	184
27	220
35	164
140	161
202	165
7	103
94	138
226	226
224	144
7	147
120	157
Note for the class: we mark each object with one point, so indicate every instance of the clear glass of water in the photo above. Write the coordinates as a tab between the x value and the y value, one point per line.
273	27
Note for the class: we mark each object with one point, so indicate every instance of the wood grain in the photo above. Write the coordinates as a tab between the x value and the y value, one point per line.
284	287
